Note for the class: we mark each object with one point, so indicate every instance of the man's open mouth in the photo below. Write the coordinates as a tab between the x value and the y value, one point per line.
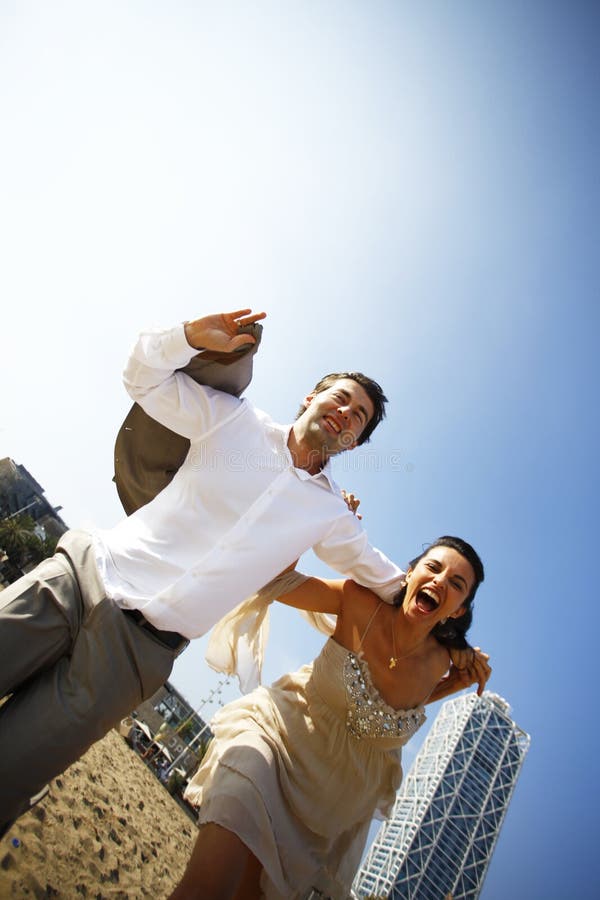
332	424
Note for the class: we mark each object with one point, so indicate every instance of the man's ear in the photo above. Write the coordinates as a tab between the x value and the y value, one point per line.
308	400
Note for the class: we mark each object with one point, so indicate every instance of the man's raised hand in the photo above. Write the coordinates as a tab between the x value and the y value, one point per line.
222	331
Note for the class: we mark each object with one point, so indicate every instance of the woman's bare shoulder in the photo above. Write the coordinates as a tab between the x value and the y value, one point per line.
358	601
357	591
438	655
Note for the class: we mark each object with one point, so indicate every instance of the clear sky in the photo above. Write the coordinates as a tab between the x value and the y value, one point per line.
410	189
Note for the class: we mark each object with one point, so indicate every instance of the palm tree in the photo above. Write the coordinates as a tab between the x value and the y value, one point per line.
20	542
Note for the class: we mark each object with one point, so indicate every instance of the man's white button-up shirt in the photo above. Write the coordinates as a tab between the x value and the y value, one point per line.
236	513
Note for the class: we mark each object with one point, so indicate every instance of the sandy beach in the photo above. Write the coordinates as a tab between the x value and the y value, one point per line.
107	829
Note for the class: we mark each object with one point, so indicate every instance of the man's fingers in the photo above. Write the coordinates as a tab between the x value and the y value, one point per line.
482	672
241	340
238	313
461	658
247	317
240	318
351	502
234	321
470	666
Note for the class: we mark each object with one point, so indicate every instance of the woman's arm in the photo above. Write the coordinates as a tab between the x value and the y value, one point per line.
318	595
326	595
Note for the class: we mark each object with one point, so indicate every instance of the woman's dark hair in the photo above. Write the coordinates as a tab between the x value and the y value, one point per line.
452	632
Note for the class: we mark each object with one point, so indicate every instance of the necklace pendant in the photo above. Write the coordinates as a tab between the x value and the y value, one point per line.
392	663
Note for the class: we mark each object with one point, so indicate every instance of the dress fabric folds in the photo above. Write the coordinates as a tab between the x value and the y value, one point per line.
286	774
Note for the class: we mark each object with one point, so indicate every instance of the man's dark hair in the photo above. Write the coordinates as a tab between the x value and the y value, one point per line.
373	391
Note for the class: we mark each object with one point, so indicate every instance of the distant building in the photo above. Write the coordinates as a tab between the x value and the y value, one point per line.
450	807
22	496
185	733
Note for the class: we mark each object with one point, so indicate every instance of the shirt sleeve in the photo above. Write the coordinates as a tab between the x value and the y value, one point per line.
346	549
170	397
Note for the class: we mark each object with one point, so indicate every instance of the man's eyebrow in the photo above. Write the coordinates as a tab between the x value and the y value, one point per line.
360	407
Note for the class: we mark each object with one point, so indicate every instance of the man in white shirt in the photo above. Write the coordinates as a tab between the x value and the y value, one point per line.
95	629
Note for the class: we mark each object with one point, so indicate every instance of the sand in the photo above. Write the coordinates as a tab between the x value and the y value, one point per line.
107	829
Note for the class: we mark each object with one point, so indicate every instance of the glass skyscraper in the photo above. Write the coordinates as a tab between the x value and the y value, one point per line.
450	807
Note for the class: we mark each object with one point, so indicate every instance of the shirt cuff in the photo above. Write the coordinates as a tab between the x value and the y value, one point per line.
174	348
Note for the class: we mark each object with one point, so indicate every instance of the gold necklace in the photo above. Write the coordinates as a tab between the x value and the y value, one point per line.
396	659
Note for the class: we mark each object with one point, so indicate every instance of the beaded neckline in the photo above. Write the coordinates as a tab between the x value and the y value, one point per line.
368	714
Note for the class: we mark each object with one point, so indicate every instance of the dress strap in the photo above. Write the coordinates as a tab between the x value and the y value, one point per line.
369	623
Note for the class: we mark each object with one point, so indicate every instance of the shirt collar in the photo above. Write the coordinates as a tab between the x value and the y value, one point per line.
281	434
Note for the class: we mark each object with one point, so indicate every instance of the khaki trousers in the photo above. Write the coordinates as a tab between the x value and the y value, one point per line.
74	665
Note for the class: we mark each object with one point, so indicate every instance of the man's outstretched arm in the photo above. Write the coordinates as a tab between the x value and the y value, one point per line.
152	380
148	453
347	550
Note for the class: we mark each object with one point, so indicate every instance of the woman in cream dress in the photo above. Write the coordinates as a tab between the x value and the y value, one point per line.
295	773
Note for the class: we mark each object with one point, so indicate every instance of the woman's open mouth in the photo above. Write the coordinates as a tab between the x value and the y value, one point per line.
426	602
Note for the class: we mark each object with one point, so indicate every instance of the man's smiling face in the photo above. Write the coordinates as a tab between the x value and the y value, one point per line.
335	418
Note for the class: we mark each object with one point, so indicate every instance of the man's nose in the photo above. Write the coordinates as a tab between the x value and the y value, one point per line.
344	411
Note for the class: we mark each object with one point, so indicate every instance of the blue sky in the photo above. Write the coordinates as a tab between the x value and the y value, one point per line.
409	189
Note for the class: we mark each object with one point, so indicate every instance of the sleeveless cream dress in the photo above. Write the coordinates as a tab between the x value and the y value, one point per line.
298	770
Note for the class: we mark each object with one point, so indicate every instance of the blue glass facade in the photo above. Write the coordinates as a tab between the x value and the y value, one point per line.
449	810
